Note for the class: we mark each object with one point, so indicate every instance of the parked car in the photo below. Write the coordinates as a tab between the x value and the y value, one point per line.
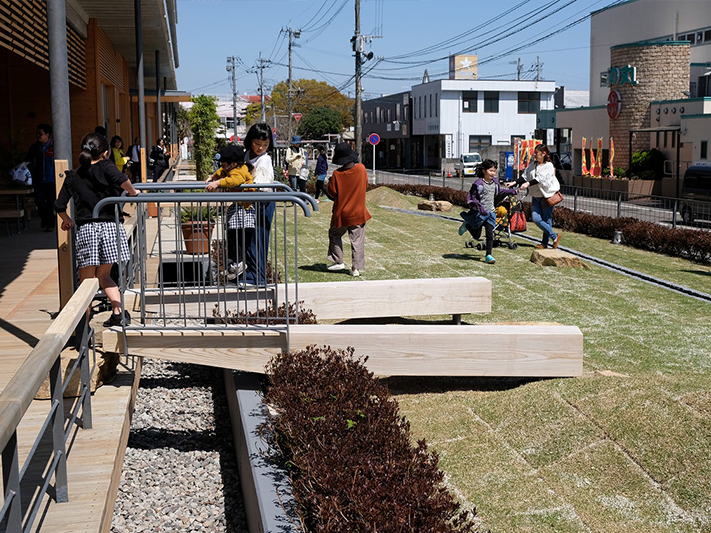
468	163
694	192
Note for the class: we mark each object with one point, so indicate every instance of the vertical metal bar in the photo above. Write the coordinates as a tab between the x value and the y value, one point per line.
58	444
674	209
619	205
83	333
59	78
575	199
11	485
140	82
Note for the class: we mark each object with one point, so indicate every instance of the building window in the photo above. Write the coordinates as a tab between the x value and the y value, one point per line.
529	102
491	101
397	112
665	139
673	139
419	106
469	102
436	104
704	150
425	106
431	105
477	142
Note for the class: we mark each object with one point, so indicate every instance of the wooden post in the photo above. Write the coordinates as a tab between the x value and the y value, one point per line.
65	253
144	165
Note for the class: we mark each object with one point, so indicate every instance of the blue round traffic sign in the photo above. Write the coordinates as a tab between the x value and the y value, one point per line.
374	139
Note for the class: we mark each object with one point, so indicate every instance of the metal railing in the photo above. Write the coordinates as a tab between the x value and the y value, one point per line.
215	259
677	213
45	360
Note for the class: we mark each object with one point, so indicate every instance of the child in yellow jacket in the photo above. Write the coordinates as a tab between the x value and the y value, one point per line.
240	218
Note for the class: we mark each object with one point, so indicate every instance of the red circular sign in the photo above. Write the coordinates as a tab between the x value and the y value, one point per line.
374	138
614	105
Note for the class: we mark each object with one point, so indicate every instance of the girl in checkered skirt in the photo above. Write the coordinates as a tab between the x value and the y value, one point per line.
100	242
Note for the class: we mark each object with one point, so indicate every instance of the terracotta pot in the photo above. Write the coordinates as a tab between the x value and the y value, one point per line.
152	209
197	237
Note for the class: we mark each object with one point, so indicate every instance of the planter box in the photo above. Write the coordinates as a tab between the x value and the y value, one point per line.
587	182
577	181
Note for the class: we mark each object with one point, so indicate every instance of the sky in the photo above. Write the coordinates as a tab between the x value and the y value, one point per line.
409	37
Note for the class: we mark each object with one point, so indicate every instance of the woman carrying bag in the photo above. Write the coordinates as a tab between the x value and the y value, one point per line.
539	178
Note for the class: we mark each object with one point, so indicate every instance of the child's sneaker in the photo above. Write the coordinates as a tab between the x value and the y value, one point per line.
490	259
234	270
336	266
120	319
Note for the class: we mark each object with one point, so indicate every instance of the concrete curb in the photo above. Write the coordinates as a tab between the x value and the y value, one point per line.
266	490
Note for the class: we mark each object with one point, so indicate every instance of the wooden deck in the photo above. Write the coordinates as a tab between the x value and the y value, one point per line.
29	299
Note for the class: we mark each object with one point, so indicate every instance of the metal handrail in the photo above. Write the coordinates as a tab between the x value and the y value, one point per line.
15	399
298	198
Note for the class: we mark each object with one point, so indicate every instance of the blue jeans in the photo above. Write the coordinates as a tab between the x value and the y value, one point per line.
258	247
542	216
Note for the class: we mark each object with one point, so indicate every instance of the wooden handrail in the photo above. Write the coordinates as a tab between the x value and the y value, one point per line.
16	398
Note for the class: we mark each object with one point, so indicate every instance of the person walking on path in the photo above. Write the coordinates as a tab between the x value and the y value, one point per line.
321	170
98	244
40	161
347	188
539	178
296	161
481	201
134	153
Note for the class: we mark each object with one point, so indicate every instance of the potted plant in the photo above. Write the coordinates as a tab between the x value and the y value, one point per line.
196	223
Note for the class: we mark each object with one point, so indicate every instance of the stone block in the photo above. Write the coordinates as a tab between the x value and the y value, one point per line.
434	205
104	372
557	258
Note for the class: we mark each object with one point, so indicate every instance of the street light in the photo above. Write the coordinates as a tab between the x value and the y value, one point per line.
232	67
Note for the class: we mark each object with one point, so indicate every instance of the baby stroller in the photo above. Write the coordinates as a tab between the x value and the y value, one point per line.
509	219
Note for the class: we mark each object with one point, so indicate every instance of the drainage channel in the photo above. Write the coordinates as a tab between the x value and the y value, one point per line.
180	470
657	282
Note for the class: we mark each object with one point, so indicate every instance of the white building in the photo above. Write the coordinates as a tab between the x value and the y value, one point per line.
456	116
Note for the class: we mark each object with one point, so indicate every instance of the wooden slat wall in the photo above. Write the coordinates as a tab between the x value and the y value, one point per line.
110	62
23	30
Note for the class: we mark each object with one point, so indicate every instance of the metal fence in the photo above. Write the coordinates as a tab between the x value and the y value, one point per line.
214	259
677	213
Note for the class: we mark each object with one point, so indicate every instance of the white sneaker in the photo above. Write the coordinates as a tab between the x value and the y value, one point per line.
354	272
336	266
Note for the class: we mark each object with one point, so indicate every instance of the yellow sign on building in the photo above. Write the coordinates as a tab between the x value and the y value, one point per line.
463	67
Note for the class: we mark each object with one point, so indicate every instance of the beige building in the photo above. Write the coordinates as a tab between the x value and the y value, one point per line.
650	72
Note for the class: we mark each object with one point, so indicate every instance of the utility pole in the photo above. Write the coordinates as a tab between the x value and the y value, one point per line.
262	64
295	34
539	68
358	46
232	67
519	68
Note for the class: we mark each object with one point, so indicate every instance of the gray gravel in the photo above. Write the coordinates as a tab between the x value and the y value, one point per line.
180	471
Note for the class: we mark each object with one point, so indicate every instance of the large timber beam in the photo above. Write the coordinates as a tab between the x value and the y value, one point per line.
537	350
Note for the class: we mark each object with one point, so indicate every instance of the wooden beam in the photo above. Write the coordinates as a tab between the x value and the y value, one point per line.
65	255
537	350
341	300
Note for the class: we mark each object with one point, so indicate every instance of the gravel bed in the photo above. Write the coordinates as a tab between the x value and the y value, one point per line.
180	471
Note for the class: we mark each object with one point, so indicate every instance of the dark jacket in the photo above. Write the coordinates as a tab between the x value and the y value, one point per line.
321	165
37	159
474	196
159	158
88	187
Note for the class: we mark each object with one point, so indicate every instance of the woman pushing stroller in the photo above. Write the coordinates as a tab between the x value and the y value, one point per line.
482	213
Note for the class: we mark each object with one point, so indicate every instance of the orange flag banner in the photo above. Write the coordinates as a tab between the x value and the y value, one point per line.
584	165
598	158
612	158
593	160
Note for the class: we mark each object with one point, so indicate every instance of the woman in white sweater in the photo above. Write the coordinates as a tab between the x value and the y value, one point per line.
539	178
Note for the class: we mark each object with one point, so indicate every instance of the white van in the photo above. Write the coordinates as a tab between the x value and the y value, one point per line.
468	163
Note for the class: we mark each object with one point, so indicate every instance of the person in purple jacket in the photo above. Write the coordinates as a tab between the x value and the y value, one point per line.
482	213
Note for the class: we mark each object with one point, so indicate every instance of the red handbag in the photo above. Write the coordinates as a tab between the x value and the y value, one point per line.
518	222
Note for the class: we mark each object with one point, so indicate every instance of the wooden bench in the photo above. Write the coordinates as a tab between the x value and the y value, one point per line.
531	350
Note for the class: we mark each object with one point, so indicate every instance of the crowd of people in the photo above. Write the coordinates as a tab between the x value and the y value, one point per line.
107	170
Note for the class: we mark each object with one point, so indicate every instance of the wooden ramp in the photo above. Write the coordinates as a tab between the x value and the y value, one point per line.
403	350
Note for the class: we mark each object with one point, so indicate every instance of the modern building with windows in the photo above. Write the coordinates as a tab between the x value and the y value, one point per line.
456	116
390	117
650	66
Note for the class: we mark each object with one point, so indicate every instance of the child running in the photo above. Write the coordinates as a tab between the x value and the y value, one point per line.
233	172
481	201
98	247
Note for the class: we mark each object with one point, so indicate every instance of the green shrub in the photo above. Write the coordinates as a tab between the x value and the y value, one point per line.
647	164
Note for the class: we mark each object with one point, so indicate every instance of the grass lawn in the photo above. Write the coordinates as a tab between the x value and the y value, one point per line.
626	447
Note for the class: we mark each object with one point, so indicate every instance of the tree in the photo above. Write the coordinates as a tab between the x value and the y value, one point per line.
203	121
183	122
308	96
319	122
